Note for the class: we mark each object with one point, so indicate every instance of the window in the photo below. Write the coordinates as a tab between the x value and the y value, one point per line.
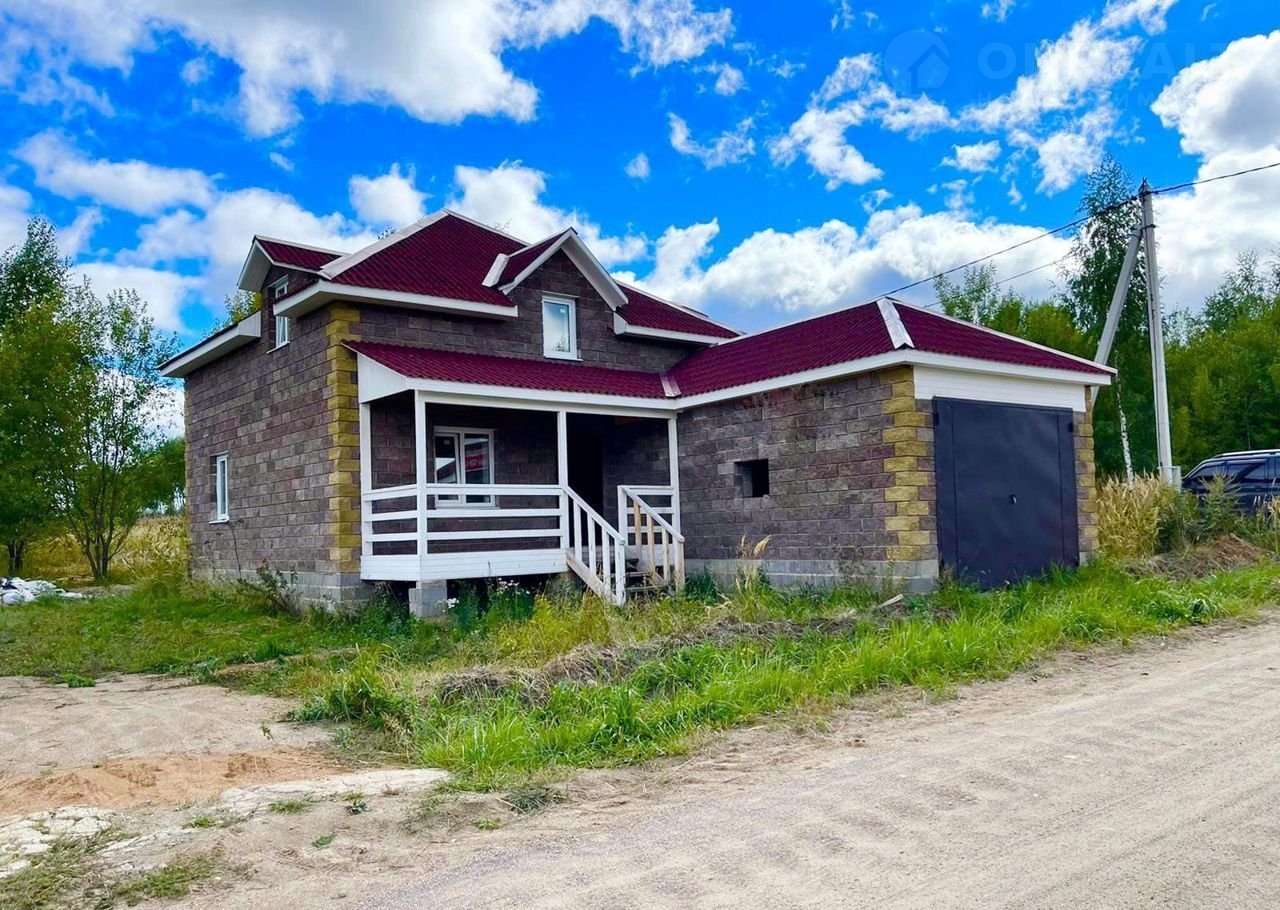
221	498
474	467
755	477
559	328
284	328
278	288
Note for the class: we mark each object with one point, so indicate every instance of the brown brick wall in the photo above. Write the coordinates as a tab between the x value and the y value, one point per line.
834	452
272	412
522	336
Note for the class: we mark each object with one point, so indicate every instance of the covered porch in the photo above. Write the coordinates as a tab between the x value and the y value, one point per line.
456	485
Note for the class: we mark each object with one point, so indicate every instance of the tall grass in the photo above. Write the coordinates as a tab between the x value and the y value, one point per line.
494	737
155	549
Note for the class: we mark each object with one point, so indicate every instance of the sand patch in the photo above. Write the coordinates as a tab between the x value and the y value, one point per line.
162	780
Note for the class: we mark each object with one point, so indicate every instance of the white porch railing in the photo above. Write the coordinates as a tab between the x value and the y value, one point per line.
649	529
471	531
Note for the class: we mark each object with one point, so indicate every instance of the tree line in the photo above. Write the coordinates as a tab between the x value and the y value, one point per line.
1222	362
80	448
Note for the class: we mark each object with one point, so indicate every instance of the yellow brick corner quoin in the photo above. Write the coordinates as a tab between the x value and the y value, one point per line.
343	432
907	540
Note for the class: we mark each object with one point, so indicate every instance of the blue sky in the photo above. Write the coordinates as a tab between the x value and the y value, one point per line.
761	161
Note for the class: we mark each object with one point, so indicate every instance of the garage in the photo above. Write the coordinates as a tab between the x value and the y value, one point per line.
1007	506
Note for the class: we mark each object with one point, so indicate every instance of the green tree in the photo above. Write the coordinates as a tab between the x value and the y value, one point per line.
162	476
101	483
1099	250
46	356
977	298
241	305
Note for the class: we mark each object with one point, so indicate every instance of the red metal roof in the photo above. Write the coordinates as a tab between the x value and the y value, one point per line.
944	335
447	258
824	341
843	337
523	258
300	257
649	312
511	372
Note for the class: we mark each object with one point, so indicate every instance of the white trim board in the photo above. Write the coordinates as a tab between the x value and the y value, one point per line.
938	382
246	331
322	292
622	327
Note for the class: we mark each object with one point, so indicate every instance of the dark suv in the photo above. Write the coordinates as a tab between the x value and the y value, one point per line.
1254	477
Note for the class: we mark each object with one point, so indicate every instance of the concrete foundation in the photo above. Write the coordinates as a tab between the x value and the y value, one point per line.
429	599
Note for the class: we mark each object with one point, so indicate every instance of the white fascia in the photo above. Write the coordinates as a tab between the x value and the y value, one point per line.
622	327
320	293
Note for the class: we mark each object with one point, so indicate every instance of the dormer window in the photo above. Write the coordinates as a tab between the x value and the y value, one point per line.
279	288
560	328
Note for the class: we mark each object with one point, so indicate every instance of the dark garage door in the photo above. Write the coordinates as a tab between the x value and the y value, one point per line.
1006	490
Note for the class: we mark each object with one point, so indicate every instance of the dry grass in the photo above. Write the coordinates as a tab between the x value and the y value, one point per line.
156	549
1129	515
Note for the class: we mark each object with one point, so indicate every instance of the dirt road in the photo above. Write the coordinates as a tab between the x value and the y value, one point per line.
1135	780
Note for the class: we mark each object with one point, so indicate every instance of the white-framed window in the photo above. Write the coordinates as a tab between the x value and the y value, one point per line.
464	456
284	330
560	327
278	288
221	494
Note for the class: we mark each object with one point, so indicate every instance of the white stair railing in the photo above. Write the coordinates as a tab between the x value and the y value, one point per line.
659	547
597	551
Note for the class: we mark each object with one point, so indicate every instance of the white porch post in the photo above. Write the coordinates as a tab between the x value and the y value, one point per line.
366	479
562	473
421	472
673	459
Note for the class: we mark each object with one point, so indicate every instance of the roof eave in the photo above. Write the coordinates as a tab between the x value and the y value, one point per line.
624	328
215	347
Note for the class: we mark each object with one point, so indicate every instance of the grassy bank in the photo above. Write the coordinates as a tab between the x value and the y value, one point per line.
601	699
539	684
179	627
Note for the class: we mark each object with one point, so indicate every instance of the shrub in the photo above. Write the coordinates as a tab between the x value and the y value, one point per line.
274	591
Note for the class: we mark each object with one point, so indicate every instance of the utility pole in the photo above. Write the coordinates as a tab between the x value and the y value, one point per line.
1160	386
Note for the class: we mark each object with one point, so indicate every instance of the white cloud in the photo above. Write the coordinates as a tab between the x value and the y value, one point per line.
165	292
195	71
729	79
391	199
1066	154
835	264
508	197
218	238
638	167
819	135
133	186
998	9
1150	14
74	238
729	147
15	209
1070	72
977	158
1224	110
439	61
281	161
1227	102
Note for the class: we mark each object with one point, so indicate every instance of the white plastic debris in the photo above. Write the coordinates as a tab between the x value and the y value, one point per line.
16	591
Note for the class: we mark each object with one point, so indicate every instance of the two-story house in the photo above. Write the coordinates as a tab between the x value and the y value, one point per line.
453	403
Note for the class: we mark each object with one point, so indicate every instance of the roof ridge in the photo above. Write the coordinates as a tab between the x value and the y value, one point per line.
338	266
899	337
301	246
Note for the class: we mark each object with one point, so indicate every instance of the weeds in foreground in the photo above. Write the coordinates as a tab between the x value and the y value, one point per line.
67	875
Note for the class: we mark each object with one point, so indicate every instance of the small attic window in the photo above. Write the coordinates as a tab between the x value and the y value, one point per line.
560	328
754	475
278	288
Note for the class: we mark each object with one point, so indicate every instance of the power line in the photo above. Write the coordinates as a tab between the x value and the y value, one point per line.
1183	186
1066	227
